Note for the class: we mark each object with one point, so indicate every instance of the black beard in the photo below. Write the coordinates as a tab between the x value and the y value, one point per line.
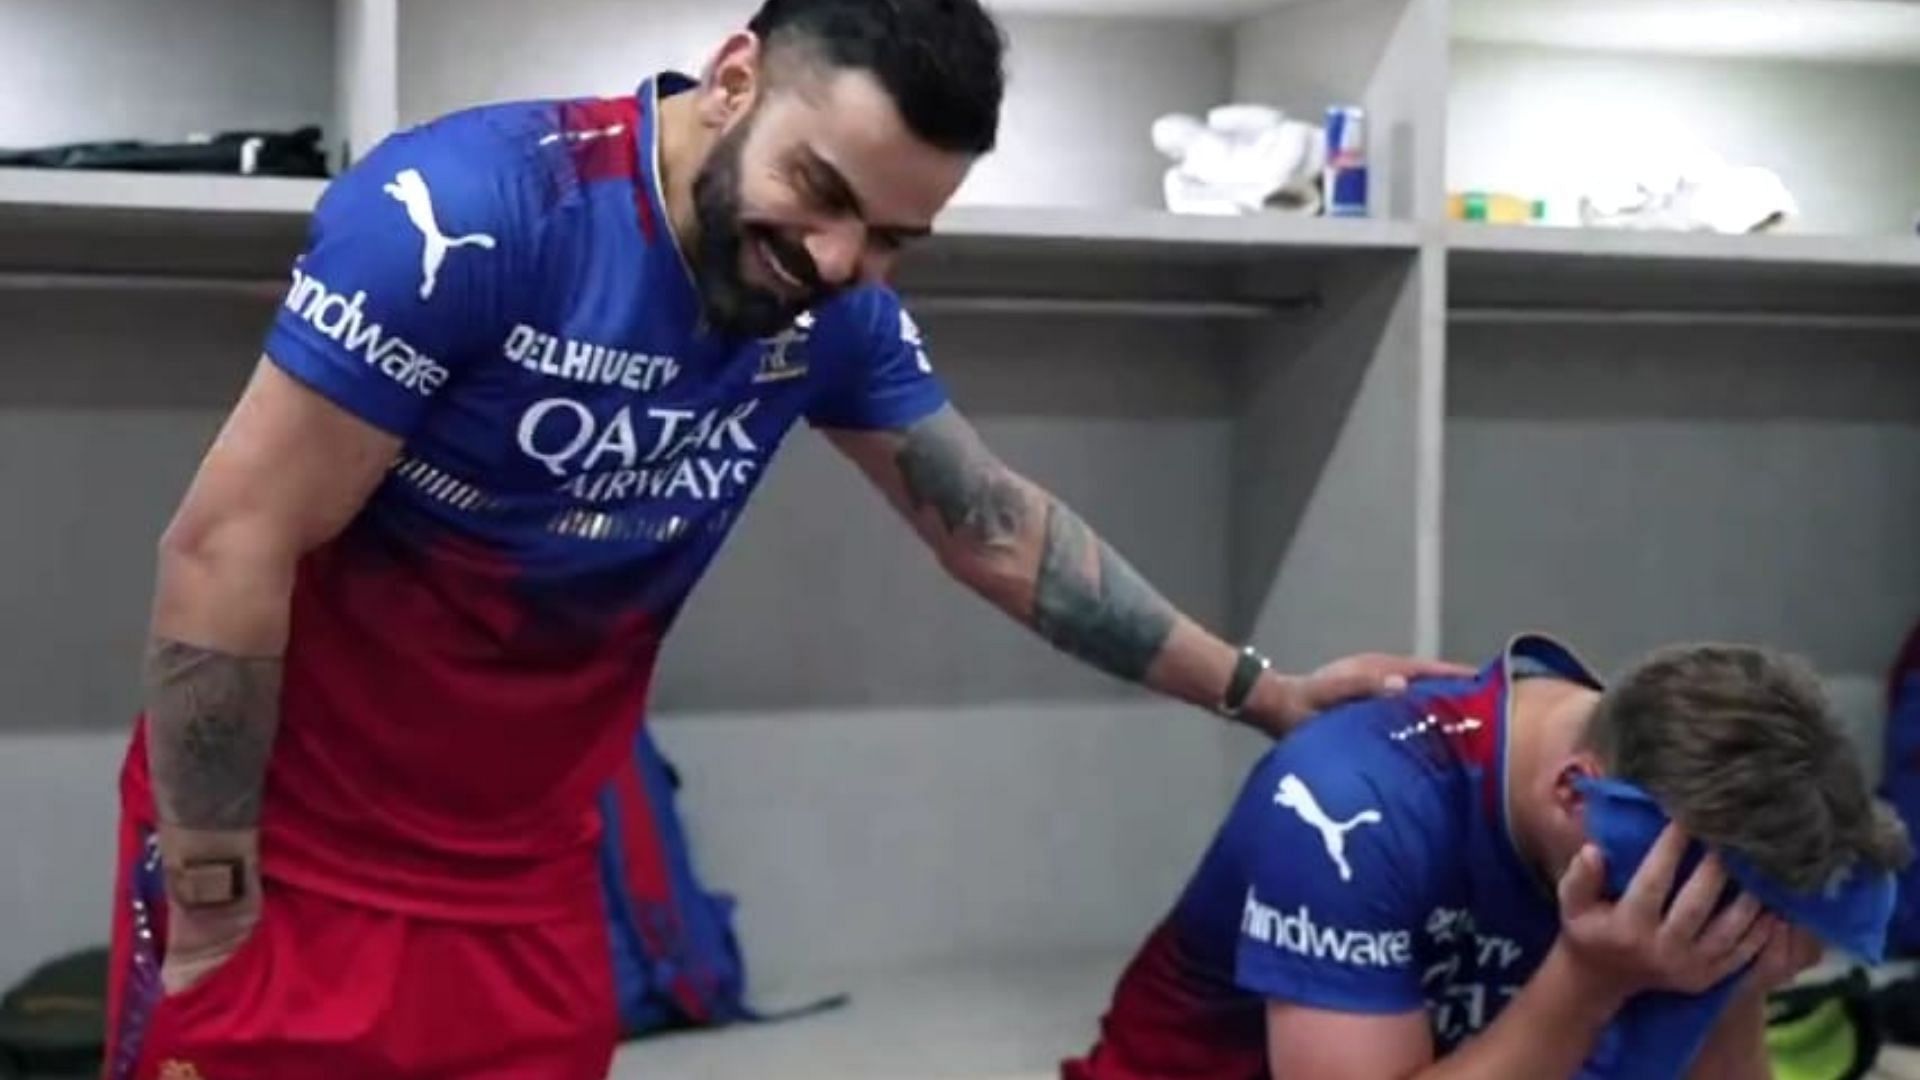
731	305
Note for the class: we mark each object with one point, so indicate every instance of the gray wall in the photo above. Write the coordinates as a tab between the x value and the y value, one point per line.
101	423
73	70
1081	95
1544	122
825	598
59	799
1629	488
871	840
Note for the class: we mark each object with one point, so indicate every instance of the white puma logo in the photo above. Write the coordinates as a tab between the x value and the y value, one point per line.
409	188
1293	794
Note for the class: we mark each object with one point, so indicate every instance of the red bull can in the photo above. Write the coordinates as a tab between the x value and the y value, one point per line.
1346	176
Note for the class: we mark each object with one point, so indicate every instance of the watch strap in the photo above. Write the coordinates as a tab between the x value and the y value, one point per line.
207	883
1247	669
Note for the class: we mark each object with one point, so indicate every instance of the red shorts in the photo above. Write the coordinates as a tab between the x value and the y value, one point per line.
325	989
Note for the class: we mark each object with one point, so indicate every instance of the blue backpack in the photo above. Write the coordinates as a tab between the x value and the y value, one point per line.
677	962
1901	786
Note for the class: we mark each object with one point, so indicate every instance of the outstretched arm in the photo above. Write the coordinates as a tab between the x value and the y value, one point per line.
1030	555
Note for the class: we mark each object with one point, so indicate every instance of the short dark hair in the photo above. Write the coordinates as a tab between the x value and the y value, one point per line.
942	61
1739	745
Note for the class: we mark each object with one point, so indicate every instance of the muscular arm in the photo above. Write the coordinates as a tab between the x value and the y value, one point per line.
1031	556
286	473
1315	1044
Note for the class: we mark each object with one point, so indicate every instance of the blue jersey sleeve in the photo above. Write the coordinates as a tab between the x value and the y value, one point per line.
402	277
888	381
1332	843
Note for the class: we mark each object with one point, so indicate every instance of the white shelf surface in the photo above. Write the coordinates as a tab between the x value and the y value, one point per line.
1893	254
1858	282
1005	1021
88	189
1017	225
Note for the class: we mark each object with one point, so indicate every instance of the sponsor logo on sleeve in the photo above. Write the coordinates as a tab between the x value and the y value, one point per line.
1296	932
344	321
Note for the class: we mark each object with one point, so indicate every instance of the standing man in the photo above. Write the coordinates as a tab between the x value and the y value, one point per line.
532	362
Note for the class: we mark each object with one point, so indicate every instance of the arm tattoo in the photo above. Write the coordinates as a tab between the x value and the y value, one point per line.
1091	604
211	719
945	466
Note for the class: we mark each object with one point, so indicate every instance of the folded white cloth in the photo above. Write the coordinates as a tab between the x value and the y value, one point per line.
1700	194
1242	159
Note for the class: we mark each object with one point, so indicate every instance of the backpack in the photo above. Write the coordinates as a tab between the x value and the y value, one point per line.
1901	786
1824	1031
676	958
54	1023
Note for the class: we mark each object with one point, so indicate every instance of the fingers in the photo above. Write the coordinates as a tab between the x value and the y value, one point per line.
1647	893
1730	926
1755	941
1330	689
1582	884
1694	906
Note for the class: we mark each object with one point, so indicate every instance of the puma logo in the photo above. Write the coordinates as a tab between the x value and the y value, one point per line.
1294	795
409	188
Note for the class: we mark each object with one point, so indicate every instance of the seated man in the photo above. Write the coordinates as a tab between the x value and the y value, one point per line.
1406	888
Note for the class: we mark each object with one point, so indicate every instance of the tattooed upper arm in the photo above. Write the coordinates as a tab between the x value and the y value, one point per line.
943	464
942	477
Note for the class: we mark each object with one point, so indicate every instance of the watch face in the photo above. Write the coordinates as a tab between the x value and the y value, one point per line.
206	883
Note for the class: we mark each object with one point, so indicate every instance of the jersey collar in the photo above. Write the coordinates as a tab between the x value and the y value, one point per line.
650	94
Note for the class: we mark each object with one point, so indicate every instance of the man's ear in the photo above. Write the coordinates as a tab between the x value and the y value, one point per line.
1580	765
733	80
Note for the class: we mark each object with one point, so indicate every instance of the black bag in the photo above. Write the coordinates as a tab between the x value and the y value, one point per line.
236	153
54	1023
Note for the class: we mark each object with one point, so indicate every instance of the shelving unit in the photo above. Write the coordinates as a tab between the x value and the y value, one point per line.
1722	433
1398	433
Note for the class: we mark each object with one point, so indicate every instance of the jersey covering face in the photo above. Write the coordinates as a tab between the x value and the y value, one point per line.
1366	867
501	290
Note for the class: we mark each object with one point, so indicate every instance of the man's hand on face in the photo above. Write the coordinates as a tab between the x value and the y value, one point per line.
1632	945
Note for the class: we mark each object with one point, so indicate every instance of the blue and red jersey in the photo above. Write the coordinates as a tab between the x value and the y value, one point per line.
1366	866
500	289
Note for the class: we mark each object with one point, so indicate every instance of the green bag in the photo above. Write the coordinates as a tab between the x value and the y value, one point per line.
1824	1031
54	1023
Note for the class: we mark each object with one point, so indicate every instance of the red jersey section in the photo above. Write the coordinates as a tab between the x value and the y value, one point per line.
444	733
1166	1024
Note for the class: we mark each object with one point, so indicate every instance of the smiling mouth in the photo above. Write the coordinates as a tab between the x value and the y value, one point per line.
781	275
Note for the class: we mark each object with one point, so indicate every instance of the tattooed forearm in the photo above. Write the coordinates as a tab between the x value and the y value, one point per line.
211	719
945	466
1090	603
1085	599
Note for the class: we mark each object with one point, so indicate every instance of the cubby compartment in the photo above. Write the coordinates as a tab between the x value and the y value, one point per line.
1557	100
1634	485
121	70
1085	81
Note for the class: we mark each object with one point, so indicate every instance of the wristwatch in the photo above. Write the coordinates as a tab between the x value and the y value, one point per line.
1247	669
207	883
